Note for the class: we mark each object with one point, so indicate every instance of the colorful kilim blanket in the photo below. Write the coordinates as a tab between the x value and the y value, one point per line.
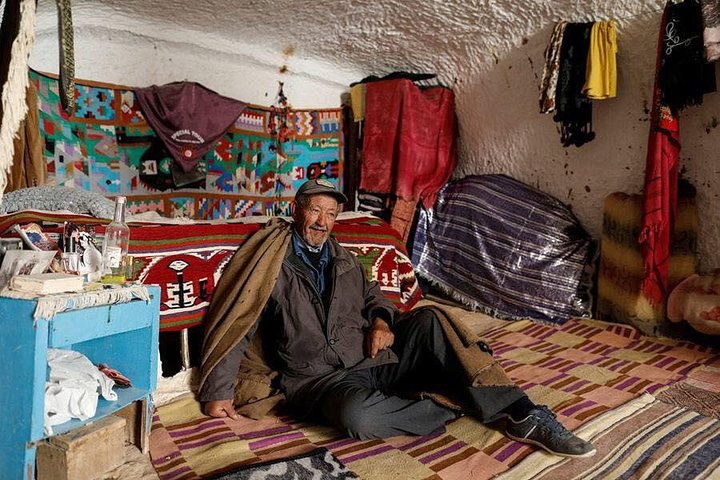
582	370
107	147
186	260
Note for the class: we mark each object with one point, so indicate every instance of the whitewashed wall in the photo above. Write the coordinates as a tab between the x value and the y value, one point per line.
502	131
137	51
490	51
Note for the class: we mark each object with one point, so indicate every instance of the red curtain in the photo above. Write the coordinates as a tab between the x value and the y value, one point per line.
409	146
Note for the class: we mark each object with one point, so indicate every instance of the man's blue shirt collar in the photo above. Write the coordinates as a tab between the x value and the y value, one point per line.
300	248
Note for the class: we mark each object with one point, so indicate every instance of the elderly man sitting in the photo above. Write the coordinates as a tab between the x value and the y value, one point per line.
344	354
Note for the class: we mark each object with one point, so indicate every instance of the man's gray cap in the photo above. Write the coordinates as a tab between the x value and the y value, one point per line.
320	185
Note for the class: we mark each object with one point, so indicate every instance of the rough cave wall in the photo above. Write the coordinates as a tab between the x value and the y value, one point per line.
491	52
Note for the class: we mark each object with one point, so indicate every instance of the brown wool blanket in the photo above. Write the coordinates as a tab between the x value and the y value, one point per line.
243	291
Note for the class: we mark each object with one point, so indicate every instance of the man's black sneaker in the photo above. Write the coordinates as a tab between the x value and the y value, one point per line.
542	428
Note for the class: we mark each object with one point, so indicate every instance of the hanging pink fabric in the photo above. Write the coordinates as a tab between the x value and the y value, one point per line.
409	147
660	201
188	117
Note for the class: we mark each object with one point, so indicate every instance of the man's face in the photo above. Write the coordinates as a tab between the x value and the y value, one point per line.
315	222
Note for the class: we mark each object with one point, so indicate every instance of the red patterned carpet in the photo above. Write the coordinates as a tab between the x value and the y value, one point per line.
186	259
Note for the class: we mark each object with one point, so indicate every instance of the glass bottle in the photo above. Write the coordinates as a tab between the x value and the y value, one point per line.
115	246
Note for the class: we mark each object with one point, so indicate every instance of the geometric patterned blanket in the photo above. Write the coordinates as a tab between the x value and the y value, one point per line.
106	146
582	369
187	260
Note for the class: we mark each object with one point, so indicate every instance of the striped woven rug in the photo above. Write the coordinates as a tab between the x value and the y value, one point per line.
582	369
644	439
700	391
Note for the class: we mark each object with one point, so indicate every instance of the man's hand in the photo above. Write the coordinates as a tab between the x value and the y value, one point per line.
379	337
221	408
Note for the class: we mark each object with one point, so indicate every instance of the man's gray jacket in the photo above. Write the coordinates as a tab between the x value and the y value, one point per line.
313	339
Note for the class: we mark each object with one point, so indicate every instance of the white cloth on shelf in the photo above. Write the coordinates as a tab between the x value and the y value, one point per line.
63	403
72	388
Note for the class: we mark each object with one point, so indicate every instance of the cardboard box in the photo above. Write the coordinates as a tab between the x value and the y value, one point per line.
84	453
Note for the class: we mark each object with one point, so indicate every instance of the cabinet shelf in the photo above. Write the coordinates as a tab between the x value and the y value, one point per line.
123	336
125	397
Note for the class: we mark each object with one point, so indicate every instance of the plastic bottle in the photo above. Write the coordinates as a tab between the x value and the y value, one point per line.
115	246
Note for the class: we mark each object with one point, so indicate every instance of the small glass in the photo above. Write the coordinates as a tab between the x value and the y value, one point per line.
71	262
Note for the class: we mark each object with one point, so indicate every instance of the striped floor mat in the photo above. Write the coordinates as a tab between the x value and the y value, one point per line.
583	370
644	439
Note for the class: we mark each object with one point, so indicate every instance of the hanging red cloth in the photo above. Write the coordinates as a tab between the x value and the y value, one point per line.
661	180
409	147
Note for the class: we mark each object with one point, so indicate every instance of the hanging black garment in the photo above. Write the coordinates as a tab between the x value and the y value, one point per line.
415	77
573	109
684	76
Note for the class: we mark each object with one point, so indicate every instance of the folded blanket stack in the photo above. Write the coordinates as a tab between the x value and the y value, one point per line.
621	262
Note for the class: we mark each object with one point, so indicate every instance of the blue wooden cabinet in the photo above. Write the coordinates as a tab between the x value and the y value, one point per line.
123	336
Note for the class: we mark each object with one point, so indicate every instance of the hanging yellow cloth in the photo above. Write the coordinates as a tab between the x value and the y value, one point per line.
357	97
601	74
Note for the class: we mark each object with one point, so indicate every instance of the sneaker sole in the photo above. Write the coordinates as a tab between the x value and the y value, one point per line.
544	447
